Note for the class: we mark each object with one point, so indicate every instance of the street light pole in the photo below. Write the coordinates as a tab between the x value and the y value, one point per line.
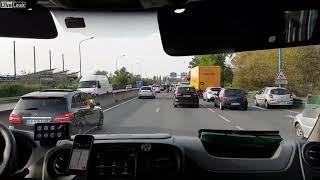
80	52
122	55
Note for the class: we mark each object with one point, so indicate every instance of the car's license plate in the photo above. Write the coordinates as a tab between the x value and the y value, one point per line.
186	95
235	104
31	122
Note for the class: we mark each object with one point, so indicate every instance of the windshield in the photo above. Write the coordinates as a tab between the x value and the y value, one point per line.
280	91
127	49
87	84
51	104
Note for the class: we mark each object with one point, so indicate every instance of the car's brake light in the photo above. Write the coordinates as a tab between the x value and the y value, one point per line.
64	117
224	98
14	119
271	96
178	94
195	94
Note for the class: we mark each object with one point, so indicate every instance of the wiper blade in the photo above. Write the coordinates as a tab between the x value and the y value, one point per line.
33	108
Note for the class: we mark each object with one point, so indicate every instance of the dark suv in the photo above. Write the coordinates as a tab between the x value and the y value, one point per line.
57	106
231	98
186	95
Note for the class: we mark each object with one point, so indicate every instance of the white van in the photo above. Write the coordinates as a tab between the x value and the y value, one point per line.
95	85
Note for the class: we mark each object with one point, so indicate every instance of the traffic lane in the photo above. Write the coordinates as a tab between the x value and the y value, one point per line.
259	119
159	116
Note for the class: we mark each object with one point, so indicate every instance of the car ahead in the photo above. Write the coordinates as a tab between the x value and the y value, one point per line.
95	85
146	92
186	96
305	121
156	88
231	98
274	96
56	106
211	93
129	86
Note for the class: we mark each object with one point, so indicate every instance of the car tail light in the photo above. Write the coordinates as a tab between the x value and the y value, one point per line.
195	94
15	119
270	96
64	117
178	94
224	98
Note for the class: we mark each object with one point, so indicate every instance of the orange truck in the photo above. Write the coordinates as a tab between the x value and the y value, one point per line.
202	77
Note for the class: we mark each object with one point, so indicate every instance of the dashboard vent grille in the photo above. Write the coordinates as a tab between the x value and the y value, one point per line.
312	154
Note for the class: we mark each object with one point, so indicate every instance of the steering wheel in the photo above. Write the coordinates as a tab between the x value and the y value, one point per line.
9	153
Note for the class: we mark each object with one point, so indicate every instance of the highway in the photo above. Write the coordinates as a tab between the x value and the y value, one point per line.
159	116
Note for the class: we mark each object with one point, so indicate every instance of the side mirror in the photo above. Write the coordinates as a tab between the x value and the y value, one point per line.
99	86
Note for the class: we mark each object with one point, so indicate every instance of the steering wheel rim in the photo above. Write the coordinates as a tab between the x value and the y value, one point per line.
9	153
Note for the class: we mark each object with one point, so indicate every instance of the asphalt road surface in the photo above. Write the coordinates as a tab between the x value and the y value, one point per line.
159	116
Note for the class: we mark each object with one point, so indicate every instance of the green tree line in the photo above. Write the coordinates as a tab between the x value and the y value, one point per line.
301	66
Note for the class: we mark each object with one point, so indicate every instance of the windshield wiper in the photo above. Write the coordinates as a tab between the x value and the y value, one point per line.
33	108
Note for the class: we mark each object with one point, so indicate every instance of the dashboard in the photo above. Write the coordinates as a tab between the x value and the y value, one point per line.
161	156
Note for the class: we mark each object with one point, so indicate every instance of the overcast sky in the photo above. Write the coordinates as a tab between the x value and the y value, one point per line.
134	35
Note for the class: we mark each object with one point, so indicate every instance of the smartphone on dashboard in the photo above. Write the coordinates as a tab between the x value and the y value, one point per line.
80	154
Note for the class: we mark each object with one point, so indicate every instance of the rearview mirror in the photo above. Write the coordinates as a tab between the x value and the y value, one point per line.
24	23
99	86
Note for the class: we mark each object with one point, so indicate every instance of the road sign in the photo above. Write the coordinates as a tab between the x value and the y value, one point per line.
173	75
139	84
281	79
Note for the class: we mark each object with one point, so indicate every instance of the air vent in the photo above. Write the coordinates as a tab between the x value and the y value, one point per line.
58	163
311	153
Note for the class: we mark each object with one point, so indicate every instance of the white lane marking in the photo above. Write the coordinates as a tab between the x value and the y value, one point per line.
238	127
157	110
296	112
119	104
258	107
211	110
90	130
289	116
222	117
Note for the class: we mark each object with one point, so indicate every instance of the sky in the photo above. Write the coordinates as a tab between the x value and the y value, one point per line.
132	38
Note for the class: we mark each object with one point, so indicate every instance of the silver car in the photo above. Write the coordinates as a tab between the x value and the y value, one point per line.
146	92
274	96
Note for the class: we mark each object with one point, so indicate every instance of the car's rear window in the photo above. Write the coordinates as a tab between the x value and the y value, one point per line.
52	104
215	89
280	91
146	88
233	92
186	90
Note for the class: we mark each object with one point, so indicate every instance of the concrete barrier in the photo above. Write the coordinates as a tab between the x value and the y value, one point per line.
116	97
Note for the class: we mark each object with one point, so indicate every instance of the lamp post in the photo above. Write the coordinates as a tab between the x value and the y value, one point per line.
122	55
80	52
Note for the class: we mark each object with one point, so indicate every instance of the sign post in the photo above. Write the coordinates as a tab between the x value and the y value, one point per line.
281	79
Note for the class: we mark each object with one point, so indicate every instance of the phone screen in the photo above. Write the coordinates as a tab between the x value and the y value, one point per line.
80	153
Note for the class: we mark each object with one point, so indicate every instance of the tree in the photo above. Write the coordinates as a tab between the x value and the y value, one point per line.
254	70
215	60
121	77
101	72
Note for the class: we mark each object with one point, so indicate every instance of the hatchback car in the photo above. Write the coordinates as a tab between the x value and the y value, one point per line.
305	121
274	96
211	93
56	106
231	98
186	95
146	92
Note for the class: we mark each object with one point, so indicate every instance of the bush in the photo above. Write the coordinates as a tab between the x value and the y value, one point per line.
16	89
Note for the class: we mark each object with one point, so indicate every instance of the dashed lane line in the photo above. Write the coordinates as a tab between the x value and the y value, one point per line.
119	104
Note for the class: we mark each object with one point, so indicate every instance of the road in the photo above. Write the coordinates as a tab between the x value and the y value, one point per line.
159	116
